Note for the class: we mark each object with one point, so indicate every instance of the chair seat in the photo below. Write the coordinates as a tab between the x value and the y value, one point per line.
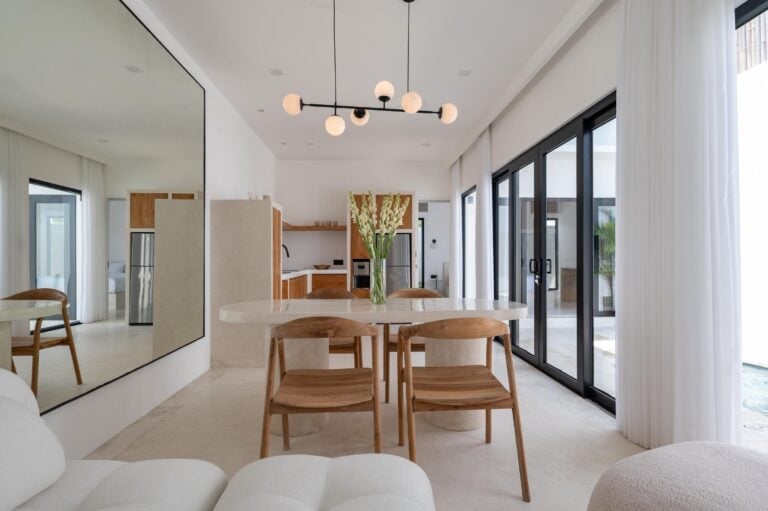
45	342
325	388
462	386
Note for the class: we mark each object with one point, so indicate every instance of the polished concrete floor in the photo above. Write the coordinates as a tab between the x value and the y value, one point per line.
105	350
569	441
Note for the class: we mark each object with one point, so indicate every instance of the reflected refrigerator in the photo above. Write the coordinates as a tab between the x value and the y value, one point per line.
399	261
141	278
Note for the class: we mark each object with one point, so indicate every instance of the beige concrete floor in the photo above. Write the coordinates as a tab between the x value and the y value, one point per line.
569	441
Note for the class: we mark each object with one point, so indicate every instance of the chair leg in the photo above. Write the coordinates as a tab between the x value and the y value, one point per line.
35	369
521	463
286	434
400	397
75	363
409	398
359	352
13	366
376	397
386	370
269	384
488	426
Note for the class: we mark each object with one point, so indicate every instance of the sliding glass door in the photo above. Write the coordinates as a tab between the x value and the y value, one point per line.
554	244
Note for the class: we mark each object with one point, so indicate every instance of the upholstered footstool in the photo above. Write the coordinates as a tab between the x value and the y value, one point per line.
369	482
699	476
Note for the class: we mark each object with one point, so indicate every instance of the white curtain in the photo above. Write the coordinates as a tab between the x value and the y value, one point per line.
14	213
93	302
455	255
678	331
484	218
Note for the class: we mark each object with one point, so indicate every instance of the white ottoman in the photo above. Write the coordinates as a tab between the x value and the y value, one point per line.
370	482
701	476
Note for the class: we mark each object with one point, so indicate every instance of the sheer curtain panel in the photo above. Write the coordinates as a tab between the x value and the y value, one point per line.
94	274
454	276
678	353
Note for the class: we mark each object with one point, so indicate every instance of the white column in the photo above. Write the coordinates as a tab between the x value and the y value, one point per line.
455	255
484	251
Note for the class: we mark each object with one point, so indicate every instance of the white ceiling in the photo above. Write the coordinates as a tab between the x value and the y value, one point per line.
237	42
63	79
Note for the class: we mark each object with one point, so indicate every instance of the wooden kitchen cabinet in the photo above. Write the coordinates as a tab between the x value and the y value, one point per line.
324	280
277	255
297	287
284	290
142	207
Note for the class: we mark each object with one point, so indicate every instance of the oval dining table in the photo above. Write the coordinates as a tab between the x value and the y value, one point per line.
12	310
305	354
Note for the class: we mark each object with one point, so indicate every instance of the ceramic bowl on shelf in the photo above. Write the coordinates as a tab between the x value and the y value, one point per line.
322	266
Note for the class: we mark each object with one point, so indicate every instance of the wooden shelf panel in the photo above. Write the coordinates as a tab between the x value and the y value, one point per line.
289	227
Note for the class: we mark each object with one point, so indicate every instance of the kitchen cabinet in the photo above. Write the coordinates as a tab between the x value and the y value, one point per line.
323	280
297	287
142	206
277	256
284	290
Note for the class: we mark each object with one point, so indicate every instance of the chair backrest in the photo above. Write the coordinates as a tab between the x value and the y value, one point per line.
323	328
331	293
40	294
414	292
456	329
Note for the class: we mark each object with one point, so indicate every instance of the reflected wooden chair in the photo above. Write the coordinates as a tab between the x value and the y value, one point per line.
30	346
469	387
320	390
342	345
390	339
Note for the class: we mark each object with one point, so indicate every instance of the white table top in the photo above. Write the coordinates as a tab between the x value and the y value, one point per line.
396	310
11	310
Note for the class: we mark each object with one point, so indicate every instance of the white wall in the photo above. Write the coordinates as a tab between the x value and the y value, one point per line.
117	218
236	161
437	226
317	189
581	73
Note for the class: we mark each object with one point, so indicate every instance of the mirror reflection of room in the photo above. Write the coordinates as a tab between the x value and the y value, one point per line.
101	179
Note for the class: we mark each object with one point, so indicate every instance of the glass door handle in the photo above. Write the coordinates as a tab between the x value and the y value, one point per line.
549	266
532	266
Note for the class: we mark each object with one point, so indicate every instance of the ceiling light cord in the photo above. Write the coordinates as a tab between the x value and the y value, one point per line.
408	52
335	92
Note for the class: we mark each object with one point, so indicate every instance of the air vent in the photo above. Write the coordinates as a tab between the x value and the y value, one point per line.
423	207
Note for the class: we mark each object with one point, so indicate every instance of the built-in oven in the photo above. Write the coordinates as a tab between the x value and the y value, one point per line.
361	273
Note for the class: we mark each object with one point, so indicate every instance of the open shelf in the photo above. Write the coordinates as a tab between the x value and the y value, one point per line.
289	227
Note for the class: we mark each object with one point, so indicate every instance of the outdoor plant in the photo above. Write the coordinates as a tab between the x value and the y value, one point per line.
606	251
377	230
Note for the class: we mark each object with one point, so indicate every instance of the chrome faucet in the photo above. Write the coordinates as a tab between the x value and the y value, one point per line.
287	254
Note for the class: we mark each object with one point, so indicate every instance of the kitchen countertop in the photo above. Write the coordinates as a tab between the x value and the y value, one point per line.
312	271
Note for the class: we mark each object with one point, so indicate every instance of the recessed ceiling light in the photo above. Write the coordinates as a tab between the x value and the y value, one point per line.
464	72
103	141
283	143
310	143
276	71
133	69
260	110
425	144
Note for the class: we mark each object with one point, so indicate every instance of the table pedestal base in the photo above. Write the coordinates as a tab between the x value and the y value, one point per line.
302	354
451	353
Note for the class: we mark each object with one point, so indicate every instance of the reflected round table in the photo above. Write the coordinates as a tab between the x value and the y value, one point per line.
12	310
314	354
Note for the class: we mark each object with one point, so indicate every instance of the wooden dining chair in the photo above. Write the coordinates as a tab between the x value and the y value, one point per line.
390	339
30	346
342	345
320	390
468	387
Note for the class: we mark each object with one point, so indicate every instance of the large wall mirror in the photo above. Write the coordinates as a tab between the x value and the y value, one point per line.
101	190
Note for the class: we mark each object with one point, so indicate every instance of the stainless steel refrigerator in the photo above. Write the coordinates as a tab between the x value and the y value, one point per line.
141	278
399	263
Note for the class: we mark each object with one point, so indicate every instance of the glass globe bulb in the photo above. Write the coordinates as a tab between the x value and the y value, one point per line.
334	125
384	91
448	113
292	104
362	120
411	102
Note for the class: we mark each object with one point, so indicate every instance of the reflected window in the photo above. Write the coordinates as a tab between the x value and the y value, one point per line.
469	223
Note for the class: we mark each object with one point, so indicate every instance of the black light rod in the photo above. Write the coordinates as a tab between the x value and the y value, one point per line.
374	108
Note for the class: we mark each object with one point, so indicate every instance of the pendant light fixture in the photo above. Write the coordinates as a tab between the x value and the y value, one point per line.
384	91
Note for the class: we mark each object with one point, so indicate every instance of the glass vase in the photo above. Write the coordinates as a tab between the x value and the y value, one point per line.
378	281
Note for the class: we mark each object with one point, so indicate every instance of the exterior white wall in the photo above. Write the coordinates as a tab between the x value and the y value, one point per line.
236	161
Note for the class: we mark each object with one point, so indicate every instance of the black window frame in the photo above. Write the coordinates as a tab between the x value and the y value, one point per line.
749	10
464	195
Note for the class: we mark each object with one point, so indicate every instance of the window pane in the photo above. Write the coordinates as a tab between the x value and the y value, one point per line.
525	220
502	239
604	255
561	257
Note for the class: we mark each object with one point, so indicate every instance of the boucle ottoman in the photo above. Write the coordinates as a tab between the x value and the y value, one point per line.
701	476
362	482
